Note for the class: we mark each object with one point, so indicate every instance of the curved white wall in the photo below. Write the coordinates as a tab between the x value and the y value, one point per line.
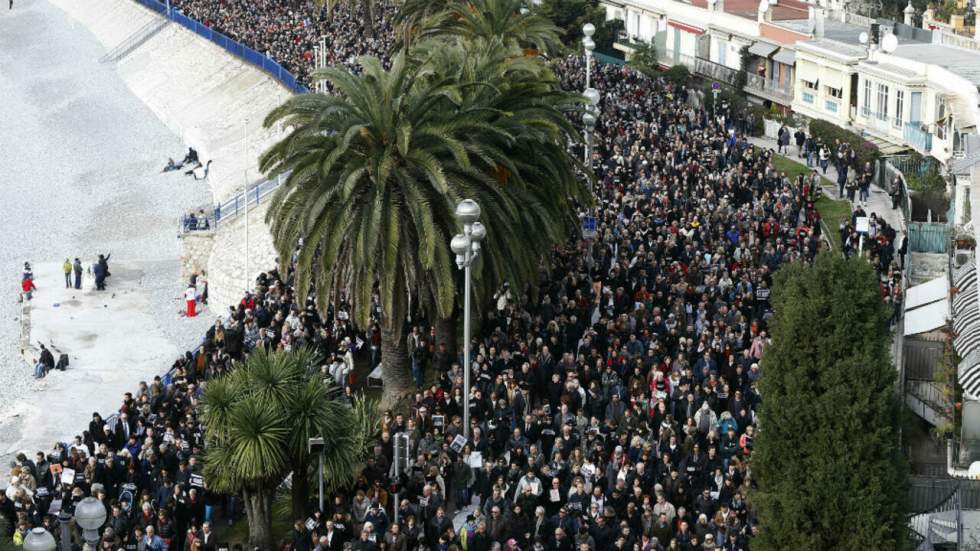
205	95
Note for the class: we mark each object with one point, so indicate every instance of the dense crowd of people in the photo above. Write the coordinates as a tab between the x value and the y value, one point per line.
289	31
616	412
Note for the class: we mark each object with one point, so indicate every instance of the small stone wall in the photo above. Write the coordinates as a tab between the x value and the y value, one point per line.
195	252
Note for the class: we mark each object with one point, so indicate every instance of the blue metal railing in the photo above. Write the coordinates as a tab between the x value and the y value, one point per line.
236	204
236	48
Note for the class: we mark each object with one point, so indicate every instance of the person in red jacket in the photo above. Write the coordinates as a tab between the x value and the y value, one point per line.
27	286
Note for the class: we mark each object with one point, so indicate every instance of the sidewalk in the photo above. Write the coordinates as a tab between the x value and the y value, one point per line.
879	201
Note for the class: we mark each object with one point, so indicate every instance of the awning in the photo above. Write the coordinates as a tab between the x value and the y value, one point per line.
926	307
833	78
685	27
963	115
926	318
968	374
762	49
807	71
966	313
926	293
785	56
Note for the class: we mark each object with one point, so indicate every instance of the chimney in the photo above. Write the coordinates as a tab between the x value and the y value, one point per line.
909	13
818	21
720	6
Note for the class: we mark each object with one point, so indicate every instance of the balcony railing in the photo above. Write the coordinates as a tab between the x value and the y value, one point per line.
916	137
880	122
769	87
715	71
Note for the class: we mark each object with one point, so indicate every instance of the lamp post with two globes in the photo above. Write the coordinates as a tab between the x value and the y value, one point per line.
466	246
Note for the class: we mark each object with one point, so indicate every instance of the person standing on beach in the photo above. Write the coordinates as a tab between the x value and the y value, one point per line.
78	273
67	267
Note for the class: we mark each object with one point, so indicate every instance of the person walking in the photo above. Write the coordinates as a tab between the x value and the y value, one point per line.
67	267
78	273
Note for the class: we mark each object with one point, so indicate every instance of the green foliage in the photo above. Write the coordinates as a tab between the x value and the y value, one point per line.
570	15
644	59
678	74
829	469
726	94
829	132
259	418
376	170
928	178
505	20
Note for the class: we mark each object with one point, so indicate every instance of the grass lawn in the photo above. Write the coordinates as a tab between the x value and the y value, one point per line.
832	211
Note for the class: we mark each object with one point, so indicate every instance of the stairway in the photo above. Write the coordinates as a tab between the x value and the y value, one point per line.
134	40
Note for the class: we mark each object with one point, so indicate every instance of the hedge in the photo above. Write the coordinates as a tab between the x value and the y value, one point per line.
828	132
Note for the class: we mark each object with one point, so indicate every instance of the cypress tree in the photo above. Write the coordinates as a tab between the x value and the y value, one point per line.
827	461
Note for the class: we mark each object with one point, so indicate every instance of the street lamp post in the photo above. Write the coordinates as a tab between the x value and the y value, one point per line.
466	246
590	117
90	515
588	30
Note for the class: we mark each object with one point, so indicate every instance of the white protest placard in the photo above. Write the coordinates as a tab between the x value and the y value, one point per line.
68	476
861	224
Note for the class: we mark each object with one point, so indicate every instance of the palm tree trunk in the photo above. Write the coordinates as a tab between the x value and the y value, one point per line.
368	18
258	509
396	371
446	334
300	492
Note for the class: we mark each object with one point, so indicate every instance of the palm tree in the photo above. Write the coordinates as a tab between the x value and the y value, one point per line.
505	19
375	173
258	421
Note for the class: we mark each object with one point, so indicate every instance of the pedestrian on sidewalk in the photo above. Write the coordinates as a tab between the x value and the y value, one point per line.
864	187
67	267
78	273
841	182
783	140
800	137
896	191
824	158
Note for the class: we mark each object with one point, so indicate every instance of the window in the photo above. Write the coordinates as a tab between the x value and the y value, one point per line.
834	92
882	102
807	97
831	106
899	107
867	98
809	85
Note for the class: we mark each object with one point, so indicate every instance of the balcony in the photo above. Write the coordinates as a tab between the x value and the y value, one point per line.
715	71
781	93
918	138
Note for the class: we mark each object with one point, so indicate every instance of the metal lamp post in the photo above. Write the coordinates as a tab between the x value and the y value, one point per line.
590	117
588	30
90	515
466	246
39	539
317	446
